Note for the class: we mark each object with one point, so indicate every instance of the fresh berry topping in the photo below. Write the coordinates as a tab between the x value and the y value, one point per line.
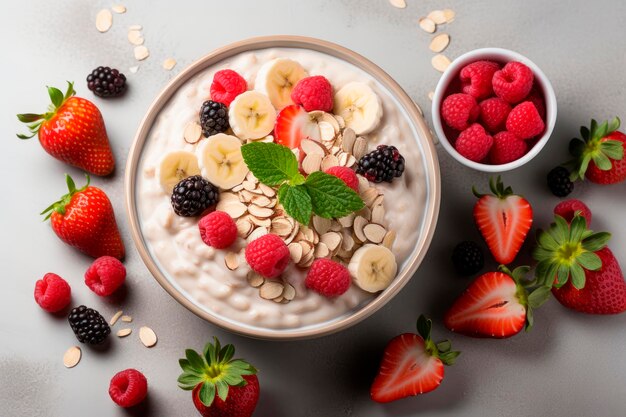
226	86
459	110
569	208
476	79
193	195
52	293
467	258
346	175
493	113
293	124
328	278
506	148
268	255
513	82
105	275
524	121
213	118
128	388
382	164
88	325
313	93
559	182
218	229
106	82
474	143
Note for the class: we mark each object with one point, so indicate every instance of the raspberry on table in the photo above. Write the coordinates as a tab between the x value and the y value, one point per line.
474	143
467	258
513	82
268	255
213	118
313	93
226	86
218	229
128	388
506	148
568	208
105	275
524	121
493	113
559	182
328	278
192	195
346	175
88	325
52	293
476	79
459	110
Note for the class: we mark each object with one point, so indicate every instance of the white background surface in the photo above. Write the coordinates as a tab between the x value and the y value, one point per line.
570	365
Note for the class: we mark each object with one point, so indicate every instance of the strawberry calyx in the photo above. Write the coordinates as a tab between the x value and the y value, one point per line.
529	294
441	350
565	251
215	371
34	121
594	146
497	189
60	205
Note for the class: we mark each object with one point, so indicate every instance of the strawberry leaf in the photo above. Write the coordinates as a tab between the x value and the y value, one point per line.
222	389
538	296
195	360
56	96
578	276
589	261
424	326
207	393
602	161
596	241
614	149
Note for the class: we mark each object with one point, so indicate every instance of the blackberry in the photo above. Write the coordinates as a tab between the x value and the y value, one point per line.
467	258
106	82
213	118
88	325
383	164
193	195
559	182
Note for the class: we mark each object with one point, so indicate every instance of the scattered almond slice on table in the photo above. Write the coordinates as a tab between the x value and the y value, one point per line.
124	332
400	4
437	16
115	318
104	20
440	62
141	53
147	336
134	69
127	319
135	37
440	42
427	25
119	8
72	357
169	63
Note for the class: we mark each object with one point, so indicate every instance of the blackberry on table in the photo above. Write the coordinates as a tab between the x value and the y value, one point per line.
193	195
106	82
88	325
467	258
213	118
383	164
559	182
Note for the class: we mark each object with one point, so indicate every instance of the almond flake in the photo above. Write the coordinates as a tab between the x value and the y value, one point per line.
340	121
261	201
72	356
231	259
311	147
311	162
267	190
147	336
294	232
389	238
134	69
169	63
124	332
374	232
329	161
281	226
335	226
289	292
278	299
244	227
439	42
351	161
257	233
260	212
360	147
437	16
347	140
321	250
347	244
127	319
378	201
115	318
271	289
235	209
365	212
307	247
378	214
141	53
331	239
255	280
449	15
427	25
321	224
295	250
364	184
192	132
359	225
440	62
327	131
104	20
261	222
119	8
400	4
369	196
343	159
347	220
431	94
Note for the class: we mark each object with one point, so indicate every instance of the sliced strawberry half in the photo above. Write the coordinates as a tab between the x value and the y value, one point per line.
293	124
412	364
503	219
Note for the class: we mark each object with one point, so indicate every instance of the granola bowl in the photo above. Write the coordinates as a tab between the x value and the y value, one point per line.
218	285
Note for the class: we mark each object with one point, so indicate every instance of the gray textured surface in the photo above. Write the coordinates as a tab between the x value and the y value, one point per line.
570	365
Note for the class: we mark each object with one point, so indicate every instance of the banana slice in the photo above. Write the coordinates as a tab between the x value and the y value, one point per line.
359	106
251	115
373	267
277	78
221	161
176	166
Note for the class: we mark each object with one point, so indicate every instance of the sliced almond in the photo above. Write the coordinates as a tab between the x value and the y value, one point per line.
255	280
351	161
331	239
115	318
289	292
359	225
321	224
340	121
321	250
141	52
427	25
271	289
231	259
261	222
360	147
343	158
119	8
228	196
257	233
260	212
439	42
374	232
169	63
281	226
244	226
449	15
245	196
440	62
329	161
335	226
104	20
72	356
365	212
147	336
347	244
249	185
347	140
309	234
134	69
235	209
389	238
364	184
369	196
431	94
346	221
378	200
295	250
278	299
294	232
378	214
312	147
127	319
261	201
267	190
193	132
124	332
311	163
135	37
400	4
438	17
327	131
307	247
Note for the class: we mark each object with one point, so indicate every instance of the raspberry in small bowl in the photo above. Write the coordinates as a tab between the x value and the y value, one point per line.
493	109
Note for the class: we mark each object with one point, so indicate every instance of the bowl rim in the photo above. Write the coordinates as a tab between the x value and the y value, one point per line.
506	55
415	116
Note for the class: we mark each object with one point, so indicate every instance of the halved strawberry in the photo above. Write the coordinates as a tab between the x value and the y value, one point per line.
293	124
412	364
496	304
503	219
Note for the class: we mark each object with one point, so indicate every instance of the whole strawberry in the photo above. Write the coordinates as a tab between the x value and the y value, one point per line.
84	218
221	386
72	131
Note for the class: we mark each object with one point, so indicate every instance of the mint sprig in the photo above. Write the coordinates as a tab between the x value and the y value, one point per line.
320	193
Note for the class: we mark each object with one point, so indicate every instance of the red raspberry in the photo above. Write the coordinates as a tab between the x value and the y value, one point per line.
128	388
226	86
568	208
459	110
346	175
105	275
476	78
506	148
493	113
313	93
537	99
328	278
474	143
524	121
268	255
218	229
513	82
52	293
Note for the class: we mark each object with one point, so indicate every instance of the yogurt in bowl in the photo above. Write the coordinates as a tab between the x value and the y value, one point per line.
218	284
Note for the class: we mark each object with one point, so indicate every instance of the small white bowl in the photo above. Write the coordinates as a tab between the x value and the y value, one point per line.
503	56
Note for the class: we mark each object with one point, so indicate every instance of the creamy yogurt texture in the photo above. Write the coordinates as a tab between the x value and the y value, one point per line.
199	270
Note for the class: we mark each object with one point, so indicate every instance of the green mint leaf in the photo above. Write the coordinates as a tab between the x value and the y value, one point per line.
296	201
330	196
271	163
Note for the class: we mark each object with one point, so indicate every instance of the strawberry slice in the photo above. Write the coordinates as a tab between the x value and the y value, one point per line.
412	364
293	124
503	219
